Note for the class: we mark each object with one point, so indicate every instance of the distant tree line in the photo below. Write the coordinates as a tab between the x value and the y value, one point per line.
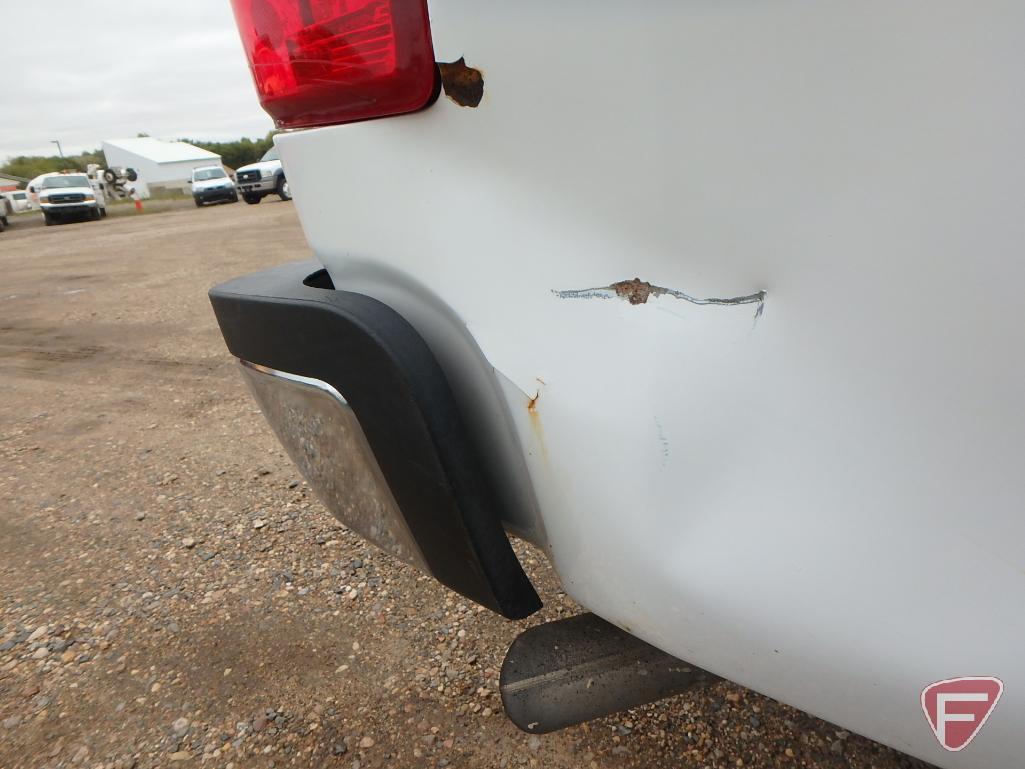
237	153
234	154
31	166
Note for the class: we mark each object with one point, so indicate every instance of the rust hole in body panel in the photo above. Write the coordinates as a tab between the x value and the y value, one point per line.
636	291
464	85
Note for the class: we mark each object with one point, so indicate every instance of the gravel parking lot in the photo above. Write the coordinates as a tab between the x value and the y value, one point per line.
171	593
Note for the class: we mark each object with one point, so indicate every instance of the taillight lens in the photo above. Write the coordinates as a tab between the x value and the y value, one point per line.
317	62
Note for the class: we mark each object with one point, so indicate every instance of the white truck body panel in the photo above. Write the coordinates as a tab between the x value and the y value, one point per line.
823	503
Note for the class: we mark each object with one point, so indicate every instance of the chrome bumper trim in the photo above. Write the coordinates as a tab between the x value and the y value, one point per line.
319	430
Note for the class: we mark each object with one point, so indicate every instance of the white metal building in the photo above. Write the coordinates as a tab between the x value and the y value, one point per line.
160	164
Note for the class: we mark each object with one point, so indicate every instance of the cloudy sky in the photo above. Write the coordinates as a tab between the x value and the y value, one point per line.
83	72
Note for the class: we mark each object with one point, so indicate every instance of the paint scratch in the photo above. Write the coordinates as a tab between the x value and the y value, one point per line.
663	441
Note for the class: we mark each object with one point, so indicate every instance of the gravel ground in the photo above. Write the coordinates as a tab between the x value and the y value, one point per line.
171	593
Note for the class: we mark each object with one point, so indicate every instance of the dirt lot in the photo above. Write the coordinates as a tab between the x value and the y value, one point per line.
172	594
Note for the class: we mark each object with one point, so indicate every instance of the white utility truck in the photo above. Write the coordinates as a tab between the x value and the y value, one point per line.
66	196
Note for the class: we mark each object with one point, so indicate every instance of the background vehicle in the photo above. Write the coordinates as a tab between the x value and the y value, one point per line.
18	199
114	183
6	210
689	309
70	196
210	184
267	177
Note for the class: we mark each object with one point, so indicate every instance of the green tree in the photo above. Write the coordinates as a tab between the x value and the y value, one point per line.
237	153
31	166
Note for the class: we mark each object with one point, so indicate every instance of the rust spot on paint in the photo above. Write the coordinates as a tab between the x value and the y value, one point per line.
535	420
532	403
636	291
464	85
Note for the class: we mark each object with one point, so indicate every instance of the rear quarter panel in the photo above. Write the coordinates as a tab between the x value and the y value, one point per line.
822	503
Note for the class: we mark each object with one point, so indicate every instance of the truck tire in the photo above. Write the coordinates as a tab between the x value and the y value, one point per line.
94	215
199	203
3	223
234	197
283	190
252	198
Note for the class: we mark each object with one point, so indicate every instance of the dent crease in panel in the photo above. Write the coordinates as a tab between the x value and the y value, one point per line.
638	291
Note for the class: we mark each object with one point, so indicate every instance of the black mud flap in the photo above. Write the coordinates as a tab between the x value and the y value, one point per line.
291	319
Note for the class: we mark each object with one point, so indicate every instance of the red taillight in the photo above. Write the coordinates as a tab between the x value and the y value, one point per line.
335	61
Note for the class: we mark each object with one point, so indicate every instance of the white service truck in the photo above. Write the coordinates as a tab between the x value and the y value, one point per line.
66	196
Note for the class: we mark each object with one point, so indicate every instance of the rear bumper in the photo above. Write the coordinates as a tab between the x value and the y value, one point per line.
365	411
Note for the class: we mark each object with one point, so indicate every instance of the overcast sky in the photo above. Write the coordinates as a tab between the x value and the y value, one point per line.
84	71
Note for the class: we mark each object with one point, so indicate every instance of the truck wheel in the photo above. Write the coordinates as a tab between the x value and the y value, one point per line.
283	191
103	212
199	203
234	198
3	223
252	198
94	215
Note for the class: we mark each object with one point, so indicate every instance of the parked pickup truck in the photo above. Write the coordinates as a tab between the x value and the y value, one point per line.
267	177
716	303
69	196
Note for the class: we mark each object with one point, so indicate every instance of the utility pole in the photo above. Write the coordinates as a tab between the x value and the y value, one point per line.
59	150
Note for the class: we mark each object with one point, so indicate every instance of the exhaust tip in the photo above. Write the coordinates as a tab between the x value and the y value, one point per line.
573	670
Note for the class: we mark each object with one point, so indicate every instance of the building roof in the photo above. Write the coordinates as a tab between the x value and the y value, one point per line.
13	178
160	151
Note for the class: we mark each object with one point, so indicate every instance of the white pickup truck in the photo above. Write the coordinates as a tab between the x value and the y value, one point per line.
66	196
717	303
266	177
